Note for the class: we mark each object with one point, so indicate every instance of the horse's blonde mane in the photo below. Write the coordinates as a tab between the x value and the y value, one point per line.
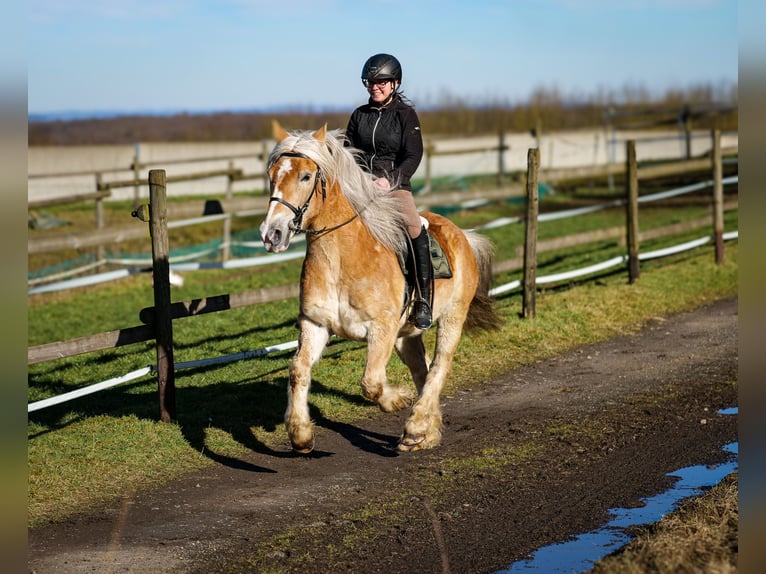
379	211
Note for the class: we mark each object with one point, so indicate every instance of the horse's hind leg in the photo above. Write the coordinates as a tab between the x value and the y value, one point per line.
412	352
375	386
312	341
423	428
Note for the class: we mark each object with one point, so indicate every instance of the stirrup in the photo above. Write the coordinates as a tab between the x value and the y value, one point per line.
421	314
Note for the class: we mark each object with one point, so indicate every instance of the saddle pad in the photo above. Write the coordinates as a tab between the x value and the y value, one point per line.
439	261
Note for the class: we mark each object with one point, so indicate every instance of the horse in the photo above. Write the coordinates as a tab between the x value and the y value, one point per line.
353	286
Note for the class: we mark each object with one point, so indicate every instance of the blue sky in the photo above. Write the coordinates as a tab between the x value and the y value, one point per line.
198	55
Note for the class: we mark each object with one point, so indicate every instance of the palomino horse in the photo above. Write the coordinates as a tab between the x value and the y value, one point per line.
352	284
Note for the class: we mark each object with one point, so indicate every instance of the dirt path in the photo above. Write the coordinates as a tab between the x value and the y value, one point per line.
527	459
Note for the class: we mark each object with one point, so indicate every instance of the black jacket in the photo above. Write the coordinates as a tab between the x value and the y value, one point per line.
390	138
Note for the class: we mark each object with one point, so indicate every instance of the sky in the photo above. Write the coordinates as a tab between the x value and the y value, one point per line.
235	55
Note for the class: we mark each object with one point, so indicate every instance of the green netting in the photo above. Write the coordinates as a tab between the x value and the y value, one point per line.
207	252
63	266
543	190
250	236
203	252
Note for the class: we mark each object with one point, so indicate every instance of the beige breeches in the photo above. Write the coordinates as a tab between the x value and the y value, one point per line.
410	212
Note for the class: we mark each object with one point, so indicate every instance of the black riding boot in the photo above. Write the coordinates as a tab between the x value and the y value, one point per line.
421	311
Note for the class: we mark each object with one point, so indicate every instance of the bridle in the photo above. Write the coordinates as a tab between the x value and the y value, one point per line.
299	212
319	178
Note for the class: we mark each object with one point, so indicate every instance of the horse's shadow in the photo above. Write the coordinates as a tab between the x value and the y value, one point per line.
235	336
363	439
234	397
237	409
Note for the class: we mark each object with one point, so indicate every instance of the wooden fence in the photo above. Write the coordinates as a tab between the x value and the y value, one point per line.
249	206
230	206
158	319
103	189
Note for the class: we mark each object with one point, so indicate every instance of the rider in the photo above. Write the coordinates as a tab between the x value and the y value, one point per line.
387	131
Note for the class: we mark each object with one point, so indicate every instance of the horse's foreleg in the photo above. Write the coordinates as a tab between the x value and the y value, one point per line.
374	384
423	428
311	343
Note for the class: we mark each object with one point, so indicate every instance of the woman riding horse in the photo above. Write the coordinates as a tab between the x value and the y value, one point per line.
387	132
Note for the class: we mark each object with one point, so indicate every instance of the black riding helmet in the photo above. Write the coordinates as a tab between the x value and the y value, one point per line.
381	67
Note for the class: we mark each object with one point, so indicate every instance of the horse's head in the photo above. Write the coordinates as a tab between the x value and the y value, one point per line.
295	180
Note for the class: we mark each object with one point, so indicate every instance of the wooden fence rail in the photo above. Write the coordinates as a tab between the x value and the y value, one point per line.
232	173
142	333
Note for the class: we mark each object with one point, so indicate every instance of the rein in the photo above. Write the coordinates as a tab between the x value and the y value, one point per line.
297	221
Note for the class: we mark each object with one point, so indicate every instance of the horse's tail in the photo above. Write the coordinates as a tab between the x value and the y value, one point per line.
482	314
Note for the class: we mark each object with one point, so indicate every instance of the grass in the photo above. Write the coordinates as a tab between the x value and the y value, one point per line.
701	536
488	459
86	452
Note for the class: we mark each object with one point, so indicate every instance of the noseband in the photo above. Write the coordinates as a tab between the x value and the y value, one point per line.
299	212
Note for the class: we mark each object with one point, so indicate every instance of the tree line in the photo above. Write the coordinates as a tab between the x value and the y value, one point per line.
546	109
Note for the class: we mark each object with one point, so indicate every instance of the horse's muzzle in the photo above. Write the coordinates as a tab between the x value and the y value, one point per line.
275	238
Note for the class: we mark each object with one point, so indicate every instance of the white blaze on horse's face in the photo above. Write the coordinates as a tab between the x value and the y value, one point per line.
275	230
291	185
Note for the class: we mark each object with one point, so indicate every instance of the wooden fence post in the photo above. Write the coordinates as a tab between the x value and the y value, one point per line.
136	175
501	160
158	226
99	215
717	196
538	132
631	184
610	141
265	154
226	237
686	118
230	181
429	153
226	246
530	235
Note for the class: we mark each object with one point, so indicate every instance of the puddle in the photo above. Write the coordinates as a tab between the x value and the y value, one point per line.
582	553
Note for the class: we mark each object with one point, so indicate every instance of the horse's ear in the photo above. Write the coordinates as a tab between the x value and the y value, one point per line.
320	133
278	131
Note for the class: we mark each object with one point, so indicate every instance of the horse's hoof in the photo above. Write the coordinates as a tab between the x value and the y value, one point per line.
304	449
411	443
